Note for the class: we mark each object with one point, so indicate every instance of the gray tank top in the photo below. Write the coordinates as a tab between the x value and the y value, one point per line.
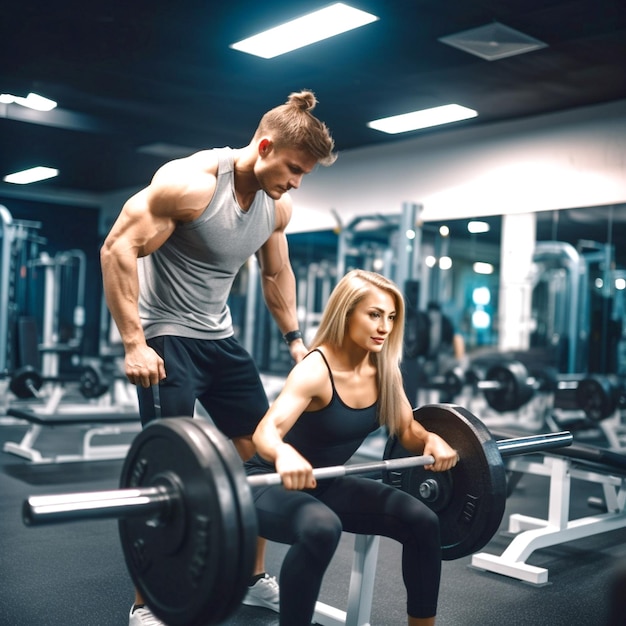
185	284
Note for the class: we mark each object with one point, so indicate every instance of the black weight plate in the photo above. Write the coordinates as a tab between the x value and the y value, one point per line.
91	384
246	527
434	488
547	378
514	391
181	565
20	380
239	546
454	381
474	375
472	496
596	396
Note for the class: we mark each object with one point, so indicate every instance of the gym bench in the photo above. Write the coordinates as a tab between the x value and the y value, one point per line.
360	591
112	423
533	533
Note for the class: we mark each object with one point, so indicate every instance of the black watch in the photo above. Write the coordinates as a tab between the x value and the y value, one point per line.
292	335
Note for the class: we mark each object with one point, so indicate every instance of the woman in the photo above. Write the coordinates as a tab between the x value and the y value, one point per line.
344	389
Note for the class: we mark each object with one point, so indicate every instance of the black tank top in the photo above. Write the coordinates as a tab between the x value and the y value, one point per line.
331	435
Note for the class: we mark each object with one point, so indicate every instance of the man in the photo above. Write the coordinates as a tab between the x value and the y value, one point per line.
168	266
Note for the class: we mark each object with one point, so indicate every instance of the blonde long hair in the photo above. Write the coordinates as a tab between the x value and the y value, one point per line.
293	125
347	294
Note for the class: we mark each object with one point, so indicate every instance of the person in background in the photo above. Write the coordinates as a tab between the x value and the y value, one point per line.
168	265
449	342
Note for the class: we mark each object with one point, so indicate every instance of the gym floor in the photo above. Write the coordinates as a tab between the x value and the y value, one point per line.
74	574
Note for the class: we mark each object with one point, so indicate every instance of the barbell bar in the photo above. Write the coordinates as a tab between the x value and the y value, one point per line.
187	521
156	501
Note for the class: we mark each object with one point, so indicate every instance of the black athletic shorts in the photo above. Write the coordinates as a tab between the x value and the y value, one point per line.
219	373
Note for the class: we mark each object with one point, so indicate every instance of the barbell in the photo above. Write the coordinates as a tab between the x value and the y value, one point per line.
27	381
187	521
507	386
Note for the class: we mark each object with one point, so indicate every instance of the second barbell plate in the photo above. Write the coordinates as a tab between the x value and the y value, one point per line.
471	497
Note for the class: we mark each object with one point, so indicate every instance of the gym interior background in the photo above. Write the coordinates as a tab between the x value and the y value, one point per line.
513	224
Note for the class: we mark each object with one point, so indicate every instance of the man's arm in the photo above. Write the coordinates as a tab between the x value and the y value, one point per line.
278	280
146	221
135	233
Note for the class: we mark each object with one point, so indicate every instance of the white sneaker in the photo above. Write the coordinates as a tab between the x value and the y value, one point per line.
142	616
264	592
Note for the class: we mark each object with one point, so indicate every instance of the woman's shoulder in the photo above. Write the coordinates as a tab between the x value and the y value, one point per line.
308	378
315	359
313	367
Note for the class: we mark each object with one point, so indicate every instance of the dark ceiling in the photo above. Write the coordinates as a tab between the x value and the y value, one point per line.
142	72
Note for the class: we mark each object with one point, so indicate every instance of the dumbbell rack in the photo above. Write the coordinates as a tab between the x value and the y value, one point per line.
532	533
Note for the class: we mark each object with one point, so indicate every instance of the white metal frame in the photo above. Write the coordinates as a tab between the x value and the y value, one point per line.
361	590
533	533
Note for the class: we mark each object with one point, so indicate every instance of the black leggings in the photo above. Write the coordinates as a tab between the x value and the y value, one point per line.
313	522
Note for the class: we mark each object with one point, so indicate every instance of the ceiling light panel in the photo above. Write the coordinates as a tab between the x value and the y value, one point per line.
303	31
32	101
422	119
493	41
476	226
32	175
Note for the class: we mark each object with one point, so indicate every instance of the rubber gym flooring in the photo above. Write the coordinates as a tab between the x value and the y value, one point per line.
74	574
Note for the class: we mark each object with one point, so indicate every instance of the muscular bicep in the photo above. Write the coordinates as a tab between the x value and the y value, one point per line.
273	257
141	226
274	254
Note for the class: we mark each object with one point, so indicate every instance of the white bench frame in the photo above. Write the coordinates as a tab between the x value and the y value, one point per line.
533	533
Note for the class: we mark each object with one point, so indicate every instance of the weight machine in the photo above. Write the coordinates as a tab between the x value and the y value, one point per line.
20	243
43	391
